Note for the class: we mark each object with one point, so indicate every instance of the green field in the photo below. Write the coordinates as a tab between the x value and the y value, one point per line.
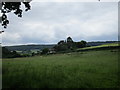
104	45
90	69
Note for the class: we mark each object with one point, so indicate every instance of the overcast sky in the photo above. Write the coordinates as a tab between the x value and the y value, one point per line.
50	22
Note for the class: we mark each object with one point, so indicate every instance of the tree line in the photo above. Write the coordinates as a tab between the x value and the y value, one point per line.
69	44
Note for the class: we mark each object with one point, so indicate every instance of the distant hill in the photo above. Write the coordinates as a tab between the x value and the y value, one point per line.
100	43
28	47
40	47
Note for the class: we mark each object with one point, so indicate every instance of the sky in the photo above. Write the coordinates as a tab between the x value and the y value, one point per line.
50	22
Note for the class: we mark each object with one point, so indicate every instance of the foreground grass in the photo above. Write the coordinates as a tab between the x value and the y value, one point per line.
91	69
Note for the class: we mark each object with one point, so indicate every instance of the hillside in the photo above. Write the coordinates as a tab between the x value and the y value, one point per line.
28	47
90	69
100	43
103	46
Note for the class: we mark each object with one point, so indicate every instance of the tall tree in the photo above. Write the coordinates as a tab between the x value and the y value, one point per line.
45	51
70	43
81	44
69	39
15	7
61	42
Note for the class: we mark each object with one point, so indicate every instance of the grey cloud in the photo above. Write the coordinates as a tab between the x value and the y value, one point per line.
51	22
64	11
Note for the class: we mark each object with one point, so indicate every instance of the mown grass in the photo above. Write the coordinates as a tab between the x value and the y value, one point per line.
91	69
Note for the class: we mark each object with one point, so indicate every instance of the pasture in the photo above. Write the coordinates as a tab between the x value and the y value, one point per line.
101	46
90	69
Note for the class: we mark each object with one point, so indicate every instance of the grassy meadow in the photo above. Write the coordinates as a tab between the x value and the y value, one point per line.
90	69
